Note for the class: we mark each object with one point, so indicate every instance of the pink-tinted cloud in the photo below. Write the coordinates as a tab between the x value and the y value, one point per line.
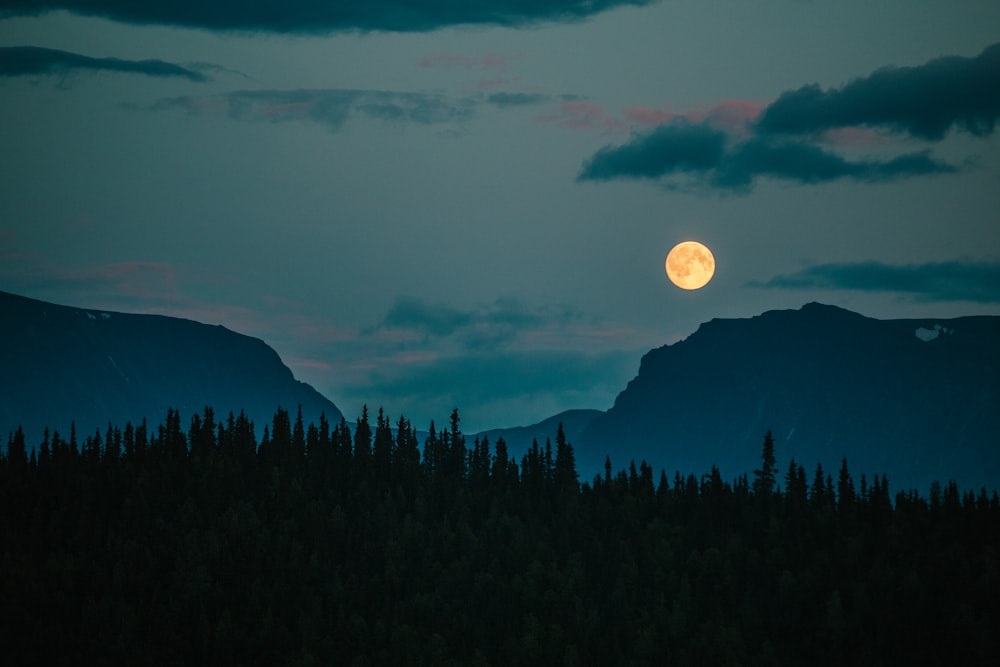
732	116
312	364
583	115
130	286
132	279
309	328
649	117
421	357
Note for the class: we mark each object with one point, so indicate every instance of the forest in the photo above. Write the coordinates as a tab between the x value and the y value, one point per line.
332	544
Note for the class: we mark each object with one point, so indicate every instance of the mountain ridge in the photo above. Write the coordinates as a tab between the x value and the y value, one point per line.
829	383
89	367
520	438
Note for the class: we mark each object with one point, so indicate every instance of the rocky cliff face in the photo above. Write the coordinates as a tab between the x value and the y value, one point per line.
916	399
60	365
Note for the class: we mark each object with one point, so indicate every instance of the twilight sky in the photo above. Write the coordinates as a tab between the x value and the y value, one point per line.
424	205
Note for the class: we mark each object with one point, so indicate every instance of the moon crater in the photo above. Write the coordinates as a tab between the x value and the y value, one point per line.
690	265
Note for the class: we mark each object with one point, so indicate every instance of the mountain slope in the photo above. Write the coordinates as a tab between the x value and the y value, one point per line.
916	399
519	438
63	364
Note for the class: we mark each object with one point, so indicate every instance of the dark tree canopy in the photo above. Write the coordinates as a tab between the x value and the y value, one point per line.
194	542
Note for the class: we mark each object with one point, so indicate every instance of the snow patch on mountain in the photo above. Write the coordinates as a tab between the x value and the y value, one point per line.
928	335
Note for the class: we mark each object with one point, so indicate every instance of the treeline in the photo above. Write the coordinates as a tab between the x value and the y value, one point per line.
321	544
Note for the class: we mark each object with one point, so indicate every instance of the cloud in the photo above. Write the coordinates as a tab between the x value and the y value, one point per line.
668	149
491	360
933	281
732	116
807	164
732	144
716	159
412	321
506	100
924	101
325	16
35	60
329	107
581	114
418	315
133	280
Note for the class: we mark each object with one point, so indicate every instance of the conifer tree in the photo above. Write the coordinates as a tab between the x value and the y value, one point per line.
817	493
407	449
432	451
845	487
763	478
298	438
566	476
454	449
382	447
363	439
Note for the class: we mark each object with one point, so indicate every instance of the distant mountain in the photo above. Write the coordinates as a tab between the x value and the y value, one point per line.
60	364
916	399
519	438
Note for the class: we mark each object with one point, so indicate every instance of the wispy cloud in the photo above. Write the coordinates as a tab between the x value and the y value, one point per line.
976	281
924	101
329	107
324	16
135	286
128	281
38	61
506	100
488	325
421	316
583	114
333	107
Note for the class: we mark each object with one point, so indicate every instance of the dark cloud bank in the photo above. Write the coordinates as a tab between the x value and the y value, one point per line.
924	102
935	281
714	158
35	60
320	16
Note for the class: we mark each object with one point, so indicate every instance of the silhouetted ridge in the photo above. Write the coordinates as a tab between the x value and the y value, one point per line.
913	397
68	364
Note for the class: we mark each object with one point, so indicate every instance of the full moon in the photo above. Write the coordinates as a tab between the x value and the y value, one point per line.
690	265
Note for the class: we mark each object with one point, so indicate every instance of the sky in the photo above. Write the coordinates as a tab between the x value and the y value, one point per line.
429	205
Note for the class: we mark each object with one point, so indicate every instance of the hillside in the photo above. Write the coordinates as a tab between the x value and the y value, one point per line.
520	438
63	365
915	398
